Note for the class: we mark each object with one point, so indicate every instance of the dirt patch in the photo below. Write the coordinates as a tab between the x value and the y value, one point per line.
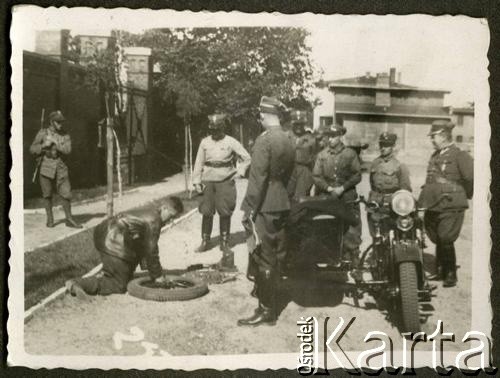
46	269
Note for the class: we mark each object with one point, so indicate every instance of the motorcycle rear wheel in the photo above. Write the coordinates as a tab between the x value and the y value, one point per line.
408	287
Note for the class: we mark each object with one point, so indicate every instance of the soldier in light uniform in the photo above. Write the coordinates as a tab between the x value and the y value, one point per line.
387	175
213	175
449	183
301	181
52	145
266	206
337	171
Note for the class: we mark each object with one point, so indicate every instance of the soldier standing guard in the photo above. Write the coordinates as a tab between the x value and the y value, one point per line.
52	145
337	171
387	175
215	169
449	183
266	206
301	181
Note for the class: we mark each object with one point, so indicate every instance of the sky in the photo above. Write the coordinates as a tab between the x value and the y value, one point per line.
447	52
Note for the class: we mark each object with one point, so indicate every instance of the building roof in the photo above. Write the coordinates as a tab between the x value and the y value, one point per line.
393	110
370	82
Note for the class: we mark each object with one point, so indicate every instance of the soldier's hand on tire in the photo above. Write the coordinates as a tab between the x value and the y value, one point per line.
161	280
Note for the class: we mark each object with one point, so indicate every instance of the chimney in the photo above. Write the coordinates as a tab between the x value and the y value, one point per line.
367	75
399	77
383	80
392	76
52	42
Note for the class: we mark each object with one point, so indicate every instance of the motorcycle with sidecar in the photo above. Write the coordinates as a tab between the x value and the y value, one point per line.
391	268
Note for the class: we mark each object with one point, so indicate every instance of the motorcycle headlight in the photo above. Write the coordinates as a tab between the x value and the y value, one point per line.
403	202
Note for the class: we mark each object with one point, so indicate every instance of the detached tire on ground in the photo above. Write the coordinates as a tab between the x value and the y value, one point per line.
196	289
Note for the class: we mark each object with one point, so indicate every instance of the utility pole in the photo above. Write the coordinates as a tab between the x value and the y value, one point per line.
109	159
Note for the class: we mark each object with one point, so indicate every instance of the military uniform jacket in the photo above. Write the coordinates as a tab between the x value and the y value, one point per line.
338	167
305	149
215	159
388	175
132	236
450	172
52	162
272	165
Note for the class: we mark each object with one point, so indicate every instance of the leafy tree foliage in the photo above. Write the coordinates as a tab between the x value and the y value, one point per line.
228	69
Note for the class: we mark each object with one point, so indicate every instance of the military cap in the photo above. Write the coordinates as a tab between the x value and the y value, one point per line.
298	117
335	130
441	125
56	116
387	139
272	106
216	121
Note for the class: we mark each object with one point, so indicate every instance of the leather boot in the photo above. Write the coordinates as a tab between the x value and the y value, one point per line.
449	265
262	316
206	232
451	278
224	227
70	222
266	292
50	215
439	274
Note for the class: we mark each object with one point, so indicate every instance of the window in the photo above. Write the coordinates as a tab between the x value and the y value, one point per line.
460	120
382	98
459	139
325	121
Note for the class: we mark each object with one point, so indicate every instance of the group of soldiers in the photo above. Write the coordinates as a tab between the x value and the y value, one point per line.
285	166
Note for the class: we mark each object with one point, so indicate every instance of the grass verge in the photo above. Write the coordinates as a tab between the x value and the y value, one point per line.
46	269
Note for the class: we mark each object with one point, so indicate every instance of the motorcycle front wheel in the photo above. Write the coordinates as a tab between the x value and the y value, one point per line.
408	288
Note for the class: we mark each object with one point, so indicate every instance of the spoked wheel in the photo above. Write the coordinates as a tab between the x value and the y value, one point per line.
177	288
408	287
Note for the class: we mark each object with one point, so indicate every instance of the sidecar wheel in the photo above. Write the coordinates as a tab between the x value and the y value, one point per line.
408	287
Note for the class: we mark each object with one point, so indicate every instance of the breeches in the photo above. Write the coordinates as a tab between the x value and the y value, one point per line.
113	279
301	181
60	185
220	197
443	227
270	228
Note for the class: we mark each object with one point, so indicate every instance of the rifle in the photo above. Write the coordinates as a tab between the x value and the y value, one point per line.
40	158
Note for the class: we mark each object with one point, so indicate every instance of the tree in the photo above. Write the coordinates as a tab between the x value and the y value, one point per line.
229	69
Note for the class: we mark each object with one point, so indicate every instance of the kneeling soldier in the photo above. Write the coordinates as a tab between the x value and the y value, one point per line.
449	183
215	169
123	242
387	175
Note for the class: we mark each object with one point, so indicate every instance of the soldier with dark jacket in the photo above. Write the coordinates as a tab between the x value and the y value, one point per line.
449	183
337	171
266	206
123	242
301	181
51	146
213	175
387	175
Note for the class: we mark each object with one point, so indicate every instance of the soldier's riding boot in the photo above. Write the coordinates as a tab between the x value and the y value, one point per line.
70	222
225	226
265	314
50	215
449	265
206	231
439	274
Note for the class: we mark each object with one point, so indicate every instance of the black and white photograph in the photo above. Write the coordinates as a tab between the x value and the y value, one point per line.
227	190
